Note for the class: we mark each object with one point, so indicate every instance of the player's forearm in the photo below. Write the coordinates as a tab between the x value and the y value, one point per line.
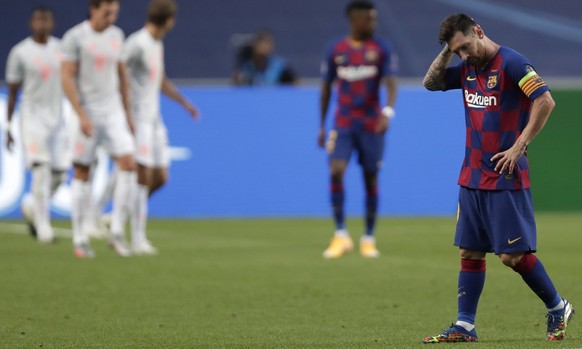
12	94
392	90
324	103
540	112
70	89
434	78
170	90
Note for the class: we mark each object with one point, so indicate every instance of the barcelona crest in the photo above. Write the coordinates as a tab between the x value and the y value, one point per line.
492	82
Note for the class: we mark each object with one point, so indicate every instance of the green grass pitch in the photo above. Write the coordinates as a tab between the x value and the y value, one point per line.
264	284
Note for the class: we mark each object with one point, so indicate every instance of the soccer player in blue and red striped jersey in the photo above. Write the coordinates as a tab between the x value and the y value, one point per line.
506	105
359	64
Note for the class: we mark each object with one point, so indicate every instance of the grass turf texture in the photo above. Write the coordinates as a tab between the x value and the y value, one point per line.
264	284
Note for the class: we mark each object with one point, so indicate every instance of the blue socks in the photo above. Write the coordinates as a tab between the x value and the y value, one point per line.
371	208
535	276
337	203
471	282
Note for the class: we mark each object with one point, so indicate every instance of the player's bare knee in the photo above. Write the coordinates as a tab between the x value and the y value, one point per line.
471	254
510	259
126	163
81	172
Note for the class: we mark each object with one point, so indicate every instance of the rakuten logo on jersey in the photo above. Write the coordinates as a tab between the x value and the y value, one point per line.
475	100
355	73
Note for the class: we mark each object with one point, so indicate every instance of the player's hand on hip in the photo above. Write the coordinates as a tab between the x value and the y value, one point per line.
86	126
383	124
321	137
506	160
9	140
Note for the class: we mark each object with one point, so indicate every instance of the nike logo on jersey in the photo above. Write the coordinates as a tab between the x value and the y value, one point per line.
513	241
471	78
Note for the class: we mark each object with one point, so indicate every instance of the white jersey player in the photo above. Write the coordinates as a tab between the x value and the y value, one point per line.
94	80
144	55
34	65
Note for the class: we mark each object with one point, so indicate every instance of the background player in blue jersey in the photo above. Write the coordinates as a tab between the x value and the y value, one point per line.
506	105
358	63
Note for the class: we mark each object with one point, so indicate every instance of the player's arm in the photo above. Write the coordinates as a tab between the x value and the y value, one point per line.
13	89
325	96
388	111
434	80
68	73
170	90
540	112
125	93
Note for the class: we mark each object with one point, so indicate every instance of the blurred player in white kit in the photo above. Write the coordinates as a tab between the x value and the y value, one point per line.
95	81
143	53
34	66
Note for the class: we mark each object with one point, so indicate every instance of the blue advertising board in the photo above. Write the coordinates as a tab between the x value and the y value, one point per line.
254	154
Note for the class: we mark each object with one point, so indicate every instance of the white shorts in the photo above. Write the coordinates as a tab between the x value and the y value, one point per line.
109	131
151	139
45	144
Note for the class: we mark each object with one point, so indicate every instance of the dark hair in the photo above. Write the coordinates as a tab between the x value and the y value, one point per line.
97	3
159	11
358	5
41	9
453	24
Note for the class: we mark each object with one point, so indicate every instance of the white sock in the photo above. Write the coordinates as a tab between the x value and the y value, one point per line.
40	188
467	326
368	238
81	198
560	305
108	192
342	233
122	200
139	215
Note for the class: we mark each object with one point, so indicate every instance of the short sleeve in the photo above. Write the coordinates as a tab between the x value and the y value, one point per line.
70	46
328	66
453	77
14	67
523	74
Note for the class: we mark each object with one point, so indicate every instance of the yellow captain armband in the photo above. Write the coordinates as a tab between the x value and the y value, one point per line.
531	82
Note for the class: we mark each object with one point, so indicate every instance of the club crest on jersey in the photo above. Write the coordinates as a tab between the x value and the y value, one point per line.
492	81
371	56
339	59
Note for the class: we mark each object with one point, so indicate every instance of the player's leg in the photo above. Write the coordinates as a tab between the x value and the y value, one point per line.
145	158
339	146
37	140
41	193
370	146
473	242
159	179
515	244
121	144
80	201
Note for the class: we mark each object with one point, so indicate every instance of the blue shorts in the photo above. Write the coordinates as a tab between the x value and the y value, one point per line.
500	221
369	146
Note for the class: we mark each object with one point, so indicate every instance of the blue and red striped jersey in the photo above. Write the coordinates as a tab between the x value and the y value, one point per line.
497	102
358	68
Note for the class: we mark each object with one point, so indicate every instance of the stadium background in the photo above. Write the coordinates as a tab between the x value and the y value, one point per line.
254	154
